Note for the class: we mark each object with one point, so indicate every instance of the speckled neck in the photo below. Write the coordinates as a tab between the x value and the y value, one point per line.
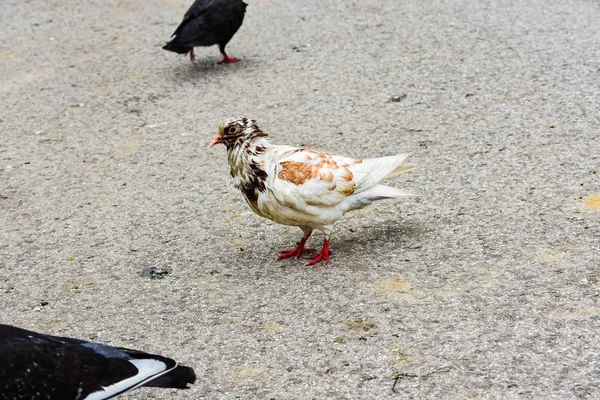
246	166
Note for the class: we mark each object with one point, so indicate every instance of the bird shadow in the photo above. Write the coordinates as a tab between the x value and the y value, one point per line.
358	239
349	241
207	67
398	232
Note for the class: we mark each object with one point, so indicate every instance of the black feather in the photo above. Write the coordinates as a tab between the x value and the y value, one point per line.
37	366
178	378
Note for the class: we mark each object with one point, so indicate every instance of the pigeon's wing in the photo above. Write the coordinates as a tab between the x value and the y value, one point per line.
209	22
34	363
303	177
27	369
195	11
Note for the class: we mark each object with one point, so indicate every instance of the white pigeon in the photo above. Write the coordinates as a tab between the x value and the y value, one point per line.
300	186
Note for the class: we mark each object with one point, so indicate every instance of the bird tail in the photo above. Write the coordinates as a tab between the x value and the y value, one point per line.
178	378
177	48
371	171
377	192
380	192
400	170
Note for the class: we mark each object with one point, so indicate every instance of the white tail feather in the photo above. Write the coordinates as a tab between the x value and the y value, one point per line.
377	192
400	170
373	170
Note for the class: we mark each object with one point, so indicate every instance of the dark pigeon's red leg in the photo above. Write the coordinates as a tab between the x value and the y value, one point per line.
191	53
226	59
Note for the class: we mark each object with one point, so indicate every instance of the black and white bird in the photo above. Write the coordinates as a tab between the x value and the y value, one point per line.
34	366
206	23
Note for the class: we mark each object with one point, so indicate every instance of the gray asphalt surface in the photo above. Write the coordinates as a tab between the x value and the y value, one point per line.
487	287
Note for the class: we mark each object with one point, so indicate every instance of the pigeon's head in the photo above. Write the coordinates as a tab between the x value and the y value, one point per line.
237	130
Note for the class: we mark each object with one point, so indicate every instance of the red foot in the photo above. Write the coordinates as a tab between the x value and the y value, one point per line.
297	252
324	254
228	60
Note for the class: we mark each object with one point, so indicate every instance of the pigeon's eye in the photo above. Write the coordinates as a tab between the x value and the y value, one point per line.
232	130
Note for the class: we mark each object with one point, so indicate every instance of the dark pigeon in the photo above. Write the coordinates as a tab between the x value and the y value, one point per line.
206	23
35	367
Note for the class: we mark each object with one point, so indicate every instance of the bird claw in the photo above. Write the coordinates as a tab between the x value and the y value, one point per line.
228	60
296	253
322	255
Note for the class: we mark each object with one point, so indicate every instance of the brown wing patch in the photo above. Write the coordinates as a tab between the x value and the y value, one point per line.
326	176
346	175
322	166
349	189
298	173
322	158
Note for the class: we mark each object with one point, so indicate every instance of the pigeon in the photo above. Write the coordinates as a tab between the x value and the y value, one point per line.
301	186
206	23
36	366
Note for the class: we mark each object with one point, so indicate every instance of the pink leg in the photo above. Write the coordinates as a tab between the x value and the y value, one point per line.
296	252
324	254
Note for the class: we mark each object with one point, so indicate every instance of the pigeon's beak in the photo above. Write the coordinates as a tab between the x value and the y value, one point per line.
216	140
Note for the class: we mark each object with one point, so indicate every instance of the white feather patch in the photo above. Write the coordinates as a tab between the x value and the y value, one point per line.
148	369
